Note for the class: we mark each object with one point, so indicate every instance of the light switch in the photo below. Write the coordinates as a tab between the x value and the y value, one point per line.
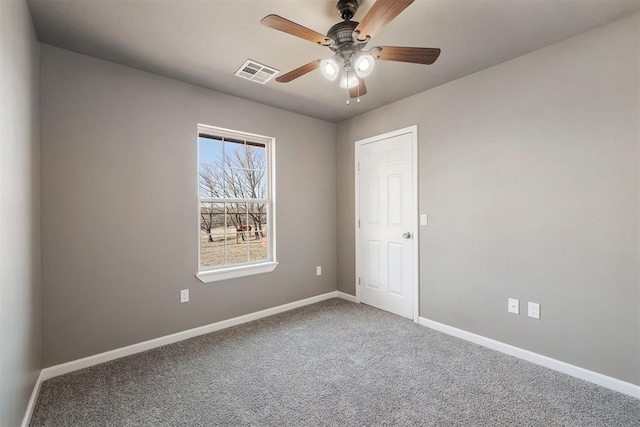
424	219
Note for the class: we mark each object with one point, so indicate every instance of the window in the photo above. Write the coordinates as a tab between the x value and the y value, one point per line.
235	186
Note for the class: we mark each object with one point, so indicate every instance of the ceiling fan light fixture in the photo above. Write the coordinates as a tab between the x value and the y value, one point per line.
329	68
347	39
363	64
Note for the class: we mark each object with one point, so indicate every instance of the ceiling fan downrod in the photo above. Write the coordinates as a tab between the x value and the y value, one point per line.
347	8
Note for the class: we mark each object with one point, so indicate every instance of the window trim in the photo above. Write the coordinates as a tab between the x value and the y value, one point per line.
251	268
226	273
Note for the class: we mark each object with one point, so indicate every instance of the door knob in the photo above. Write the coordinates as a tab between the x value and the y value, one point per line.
407	235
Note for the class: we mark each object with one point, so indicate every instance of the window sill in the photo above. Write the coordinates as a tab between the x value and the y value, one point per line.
235	272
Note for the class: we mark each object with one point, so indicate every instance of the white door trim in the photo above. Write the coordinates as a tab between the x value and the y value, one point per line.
413	131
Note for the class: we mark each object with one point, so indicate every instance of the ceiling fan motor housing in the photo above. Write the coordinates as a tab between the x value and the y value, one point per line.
347	8
342	35
342	32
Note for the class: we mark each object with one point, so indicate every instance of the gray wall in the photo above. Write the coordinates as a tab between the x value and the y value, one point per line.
119	206
20	354
529	175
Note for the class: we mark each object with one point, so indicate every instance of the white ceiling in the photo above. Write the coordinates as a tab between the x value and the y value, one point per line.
204	42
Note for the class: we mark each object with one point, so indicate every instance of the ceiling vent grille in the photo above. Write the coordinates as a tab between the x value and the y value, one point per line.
256	72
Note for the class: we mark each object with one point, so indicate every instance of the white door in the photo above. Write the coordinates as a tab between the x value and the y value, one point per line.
386	247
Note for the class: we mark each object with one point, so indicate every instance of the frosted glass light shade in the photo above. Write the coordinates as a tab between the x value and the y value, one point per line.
330	68
350	81
363	64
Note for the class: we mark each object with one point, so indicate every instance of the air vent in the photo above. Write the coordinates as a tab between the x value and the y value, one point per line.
256	72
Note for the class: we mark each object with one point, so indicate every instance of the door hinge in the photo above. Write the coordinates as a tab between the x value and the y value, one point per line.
359	281
358	165
358	223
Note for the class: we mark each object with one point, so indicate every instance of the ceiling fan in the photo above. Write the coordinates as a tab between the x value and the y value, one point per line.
347	40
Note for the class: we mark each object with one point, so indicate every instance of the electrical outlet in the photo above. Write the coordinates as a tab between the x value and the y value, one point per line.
534	310
184	295
514	306
318	270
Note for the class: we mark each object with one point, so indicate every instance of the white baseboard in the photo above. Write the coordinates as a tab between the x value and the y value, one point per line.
32	401
344	296
65	368
118	353
566	368
74	365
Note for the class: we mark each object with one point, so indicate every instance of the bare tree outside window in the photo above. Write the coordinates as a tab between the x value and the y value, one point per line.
234	208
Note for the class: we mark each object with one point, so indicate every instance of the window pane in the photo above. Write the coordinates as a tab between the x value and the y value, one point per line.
246	183
256	157
210	167
263	192
211	181
257	181
212	254
238	233
259	239
237	184
212	238
235	153
234	159
210	151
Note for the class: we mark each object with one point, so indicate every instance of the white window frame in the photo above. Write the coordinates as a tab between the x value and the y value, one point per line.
214	274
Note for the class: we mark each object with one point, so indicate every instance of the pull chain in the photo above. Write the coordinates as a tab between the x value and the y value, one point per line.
349	94
347	71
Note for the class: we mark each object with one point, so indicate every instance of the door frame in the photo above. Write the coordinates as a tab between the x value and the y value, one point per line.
413	131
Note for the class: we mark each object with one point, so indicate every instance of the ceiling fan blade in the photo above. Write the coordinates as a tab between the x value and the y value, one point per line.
358	91
381	13
290	27
300	71
416	55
